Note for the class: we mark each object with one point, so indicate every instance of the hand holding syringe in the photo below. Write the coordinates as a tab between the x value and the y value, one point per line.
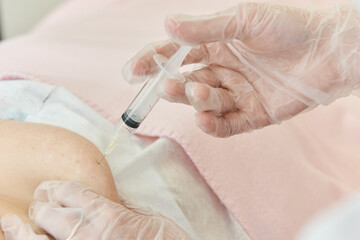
145	100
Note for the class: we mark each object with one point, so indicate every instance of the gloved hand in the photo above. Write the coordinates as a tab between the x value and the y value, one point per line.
69	210
261	63
15	229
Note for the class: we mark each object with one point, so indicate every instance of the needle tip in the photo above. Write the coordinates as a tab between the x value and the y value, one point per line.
102	158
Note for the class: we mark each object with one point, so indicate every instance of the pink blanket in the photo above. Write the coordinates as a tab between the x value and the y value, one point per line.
273	180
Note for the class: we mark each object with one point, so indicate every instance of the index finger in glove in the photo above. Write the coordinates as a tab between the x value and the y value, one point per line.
65	193
221	26
174	90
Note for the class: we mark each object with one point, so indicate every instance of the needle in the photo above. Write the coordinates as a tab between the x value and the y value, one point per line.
102	159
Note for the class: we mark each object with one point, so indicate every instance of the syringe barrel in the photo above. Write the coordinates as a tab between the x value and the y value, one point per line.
143	102
147	97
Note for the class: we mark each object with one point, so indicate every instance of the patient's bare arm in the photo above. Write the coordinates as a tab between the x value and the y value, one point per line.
32	153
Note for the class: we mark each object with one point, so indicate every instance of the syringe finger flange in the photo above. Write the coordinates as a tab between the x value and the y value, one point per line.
161	61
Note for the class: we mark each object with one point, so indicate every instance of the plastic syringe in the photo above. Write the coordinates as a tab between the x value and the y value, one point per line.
145	100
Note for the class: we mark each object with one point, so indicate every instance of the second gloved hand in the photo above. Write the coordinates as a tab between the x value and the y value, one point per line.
261	63
69	210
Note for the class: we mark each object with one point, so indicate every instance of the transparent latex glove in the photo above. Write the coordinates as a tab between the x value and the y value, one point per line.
261	63
15	229
69	210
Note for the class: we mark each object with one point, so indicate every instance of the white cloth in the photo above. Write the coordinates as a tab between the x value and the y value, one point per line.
341	222
148	172
357	2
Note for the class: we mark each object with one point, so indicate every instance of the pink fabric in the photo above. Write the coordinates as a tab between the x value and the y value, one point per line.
273	180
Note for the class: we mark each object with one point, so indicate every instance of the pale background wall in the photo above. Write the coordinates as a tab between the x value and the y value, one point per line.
18	16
